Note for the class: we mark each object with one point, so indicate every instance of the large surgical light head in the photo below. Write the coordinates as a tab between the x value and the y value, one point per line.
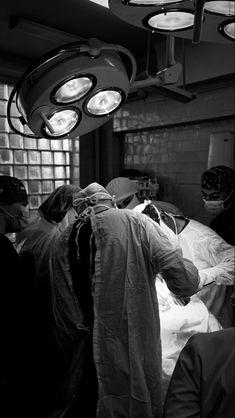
74	89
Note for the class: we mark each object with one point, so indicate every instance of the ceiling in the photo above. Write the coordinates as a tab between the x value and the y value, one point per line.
81	18
56	22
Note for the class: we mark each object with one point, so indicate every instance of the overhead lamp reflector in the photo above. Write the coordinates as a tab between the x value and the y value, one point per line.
104	102
169	20
67	89
227	29
152	2
225	8
73	90
187	19
61	123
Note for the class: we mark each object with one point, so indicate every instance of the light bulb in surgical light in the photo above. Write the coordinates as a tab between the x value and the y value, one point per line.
171	21
104	102
73	90
152	2
225	8
229	29
62	122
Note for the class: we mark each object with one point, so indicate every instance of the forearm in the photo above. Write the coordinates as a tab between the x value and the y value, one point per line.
222	273
182	278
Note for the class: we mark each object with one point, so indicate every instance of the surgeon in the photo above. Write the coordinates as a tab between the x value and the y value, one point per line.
210	309
203	382
34	246
125	194
14	216
218	194
105	305
213	256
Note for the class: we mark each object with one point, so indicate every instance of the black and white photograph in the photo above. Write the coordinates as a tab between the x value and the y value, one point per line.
117	208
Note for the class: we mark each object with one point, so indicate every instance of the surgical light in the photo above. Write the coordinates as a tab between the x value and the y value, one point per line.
227	29
171	20
152	2
197	20
73	90
104	102
60	123
225	8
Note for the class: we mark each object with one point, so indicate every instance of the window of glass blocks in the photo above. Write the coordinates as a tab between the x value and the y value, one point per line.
42	164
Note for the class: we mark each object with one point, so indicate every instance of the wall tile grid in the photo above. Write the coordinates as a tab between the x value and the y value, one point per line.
177	155
156	111
41	164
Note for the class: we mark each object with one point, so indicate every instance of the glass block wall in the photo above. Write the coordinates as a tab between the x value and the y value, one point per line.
42	164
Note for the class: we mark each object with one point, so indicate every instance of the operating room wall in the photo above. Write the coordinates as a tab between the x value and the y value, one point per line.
172	139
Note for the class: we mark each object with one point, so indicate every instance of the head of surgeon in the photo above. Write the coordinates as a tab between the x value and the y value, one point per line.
124	192
14	214
59	203
93	196
218	188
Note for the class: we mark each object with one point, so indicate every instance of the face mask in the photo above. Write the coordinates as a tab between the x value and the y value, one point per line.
217	206
214	206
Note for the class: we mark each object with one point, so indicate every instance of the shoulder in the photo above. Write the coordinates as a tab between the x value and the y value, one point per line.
167	207
210	340
200	229
203	232
126	220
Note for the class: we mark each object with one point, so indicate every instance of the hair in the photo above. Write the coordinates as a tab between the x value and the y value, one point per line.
220	178
55	207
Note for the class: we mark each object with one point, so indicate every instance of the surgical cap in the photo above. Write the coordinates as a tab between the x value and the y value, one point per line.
121	188
218	178
91	195
12	190
55	207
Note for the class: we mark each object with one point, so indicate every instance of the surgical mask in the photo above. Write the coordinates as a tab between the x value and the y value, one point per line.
214	205
217	206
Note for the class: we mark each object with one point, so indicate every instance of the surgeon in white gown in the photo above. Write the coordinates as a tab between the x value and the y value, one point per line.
180	319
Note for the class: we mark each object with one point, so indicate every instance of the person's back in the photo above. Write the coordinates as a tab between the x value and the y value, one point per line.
34	245
203	382
126	250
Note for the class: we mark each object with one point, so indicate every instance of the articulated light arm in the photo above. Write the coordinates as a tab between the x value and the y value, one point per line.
198	20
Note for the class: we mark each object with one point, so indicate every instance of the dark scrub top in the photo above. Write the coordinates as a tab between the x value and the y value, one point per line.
203	381
224	224
14	326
